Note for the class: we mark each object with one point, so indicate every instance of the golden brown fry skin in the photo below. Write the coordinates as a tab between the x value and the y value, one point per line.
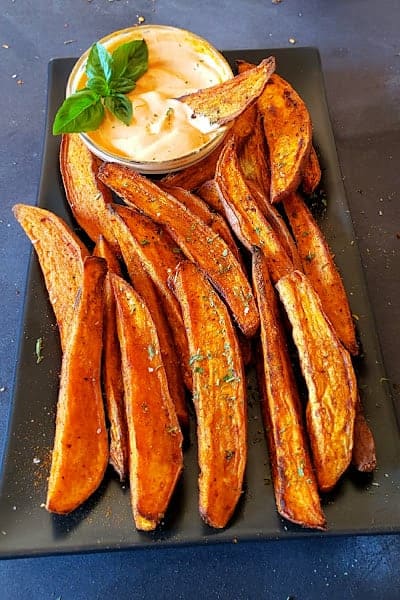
253	159
199	243
213	220
111	368
288	131
277	223
159	256
364	455
330	379
144	286
223	102
244	215
155	439
295	486
312	173
80	453
321	270
219	395
194	176
208	191
61	254
87	196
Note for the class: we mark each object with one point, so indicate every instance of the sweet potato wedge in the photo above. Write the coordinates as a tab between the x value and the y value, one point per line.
219	394
155	439
277	223
364	454
113	386
208	191
199	243
295	486
61	254
311	174
221	103
159	256
87	196
321	270
143	284
216	222
330	379
288	130
80	453
194	176
253	159
245	217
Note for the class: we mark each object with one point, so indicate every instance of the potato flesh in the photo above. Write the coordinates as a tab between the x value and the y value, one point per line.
80	453
330	379
61	254
155	438
111	368
321	270
219	395
199	243
221	103
244	215
295	486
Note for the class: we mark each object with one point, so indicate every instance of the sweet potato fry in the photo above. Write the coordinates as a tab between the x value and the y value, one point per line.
208	191
216	222
143	284
159	256
277	223
155	439
245	217
61	254
253	159
311	174
111	368
87	196
198	242
221	103
288	130
194	176
321	270
80	453
295	486
330	379
364	455
218	393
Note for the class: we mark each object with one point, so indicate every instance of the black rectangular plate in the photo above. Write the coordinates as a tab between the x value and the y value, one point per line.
359	505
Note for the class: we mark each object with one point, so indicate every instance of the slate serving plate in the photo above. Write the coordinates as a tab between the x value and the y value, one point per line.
360	504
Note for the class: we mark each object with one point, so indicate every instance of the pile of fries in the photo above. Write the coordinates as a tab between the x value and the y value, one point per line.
191	278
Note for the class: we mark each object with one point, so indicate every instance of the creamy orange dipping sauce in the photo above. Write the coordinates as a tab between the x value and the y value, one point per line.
161	128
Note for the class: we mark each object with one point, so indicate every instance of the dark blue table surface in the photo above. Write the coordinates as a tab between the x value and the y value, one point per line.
360	48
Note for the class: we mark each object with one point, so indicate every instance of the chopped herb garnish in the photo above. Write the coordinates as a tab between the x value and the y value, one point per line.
194	358
198	370
151	351
38	350
144	242
229	454
300	470
176	250
310	256
230	376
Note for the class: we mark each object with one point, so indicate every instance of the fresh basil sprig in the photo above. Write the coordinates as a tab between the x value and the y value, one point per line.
109	78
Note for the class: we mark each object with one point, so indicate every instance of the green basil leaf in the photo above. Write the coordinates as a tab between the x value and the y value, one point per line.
83	111
130	61
99	63
123	85
98	85
120	106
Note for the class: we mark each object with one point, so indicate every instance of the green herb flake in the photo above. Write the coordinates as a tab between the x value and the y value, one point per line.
300	470
38	350
194	358
229	454
198	370
225	252
230	376
172	430
151	351
144	242
176	250
310	257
